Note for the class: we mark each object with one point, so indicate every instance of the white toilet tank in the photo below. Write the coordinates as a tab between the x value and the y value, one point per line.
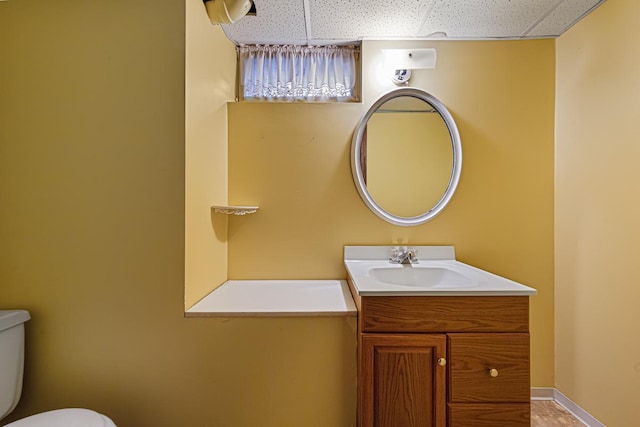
11	358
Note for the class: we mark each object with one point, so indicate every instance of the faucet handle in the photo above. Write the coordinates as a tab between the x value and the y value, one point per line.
412	255
395	255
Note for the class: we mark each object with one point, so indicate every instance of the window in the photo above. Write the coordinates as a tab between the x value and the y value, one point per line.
298	73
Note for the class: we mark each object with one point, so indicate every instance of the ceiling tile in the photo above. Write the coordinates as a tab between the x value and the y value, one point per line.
347	21
486	18
563	17
276	22
353	20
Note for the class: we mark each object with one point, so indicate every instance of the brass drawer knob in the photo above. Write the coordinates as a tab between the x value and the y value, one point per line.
442	361
493	372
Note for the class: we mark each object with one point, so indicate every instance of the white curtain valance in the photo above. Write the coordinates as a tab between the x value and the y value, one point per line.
310	73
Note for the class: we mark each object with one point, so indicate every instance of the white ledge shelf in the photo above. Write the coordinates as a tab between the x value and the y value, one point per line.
235	210
277	298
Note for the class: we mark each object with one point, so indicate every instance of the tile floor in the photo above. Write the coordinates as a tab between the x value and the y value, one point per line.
547	413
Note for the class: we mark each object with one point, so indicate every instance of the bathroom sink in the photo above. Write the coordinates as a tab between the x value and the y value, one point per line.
422	277
436	273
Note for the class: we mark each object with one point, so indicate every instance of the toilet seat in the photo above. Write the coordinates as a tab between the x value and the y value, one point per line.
65	418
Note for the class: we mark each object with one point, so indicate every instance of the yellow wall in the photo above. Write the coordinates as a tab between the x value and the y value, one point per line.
293	161
210	84
597	211
92	183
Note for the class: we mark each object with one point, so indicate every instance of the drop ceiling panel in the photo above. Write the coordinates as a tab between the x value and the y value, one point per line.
563	17
485	19
353	20
276	22
305	22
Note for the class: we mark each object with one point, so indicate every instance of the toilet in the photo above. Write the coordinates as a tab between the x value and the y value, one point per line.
11	369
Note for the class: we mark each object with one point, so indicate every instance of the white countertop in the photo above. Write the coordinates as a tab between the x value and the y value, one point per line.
360	261
277	298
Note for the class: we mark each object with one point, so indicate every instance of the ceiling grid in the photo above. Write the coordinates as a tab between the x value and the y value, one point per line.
321	22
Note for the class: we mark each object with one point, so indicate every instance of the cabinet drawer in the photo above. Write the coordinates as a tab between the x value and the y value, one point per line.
489	415
432	314
488	368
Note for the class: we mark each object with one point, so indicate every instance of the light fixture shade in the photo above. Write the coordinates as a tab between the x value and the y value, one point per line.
409	59
226	11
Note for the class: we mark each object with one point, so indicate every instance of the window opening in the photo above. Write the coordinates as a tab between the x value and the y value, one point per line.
298	73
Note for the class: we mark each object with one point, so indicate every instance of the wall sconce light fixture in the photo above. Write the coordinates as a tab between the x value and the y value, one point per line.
400	62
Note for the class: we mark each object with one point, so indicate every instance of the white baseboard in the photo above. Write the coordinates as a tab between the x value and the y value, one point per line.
548	393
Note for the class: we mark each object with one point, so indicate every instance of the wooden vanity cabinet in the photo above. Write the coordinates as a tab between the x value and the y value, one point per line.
456	361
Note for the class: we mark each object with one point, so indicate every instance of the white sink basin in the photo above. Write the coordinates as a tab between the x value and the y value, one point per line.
422	277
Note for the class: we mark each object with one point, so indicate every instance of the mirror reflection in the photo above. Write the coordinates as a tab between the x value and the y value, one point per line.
406	157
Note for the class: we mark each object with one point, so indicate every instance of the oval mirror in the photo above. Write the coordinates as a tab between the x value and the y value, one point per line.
406	157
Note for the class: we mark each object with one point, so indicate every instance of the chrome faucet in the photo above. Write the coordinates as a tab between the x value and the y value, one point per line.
403	255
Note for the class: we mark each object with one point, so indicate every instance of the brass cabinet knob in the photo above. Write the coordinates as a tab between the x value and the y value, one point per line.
442	361
493	372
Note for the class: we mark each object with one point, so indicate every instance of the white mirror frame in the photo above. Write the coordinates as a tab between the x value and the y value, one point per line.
356	167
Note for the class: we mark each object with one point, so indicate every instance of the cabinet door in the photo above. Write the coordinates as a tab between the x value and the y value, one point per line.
402	380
